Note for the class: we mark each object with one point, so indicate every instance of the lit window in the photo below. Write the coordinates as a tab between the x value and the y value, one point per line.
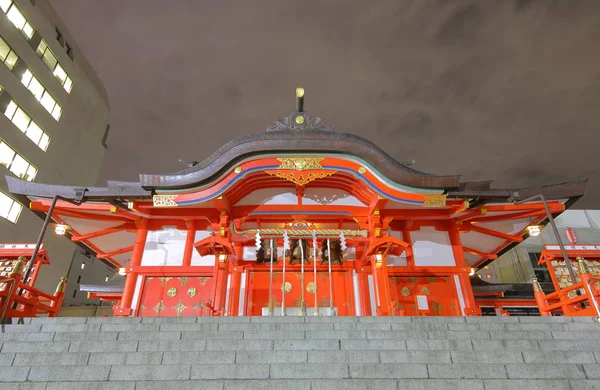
23	121
9	208
57	111
7	55
44	52
17	18
41	94
16	163
5	5
488	276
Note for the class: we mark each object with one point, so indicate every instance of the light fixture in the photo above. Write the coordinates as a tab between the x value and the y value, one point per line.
533	230
106	279
222	258
299	92
60	229
122	271
472	272
130	205
82	265
379	257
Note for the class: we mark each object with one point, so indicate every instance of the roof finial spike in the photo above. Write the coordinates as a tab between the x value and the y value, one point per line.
300	99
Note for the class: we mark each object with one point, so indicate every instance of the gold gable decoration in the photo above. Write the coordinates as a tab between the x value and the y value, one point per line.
164	201
300	170
434	200
300	163
300	178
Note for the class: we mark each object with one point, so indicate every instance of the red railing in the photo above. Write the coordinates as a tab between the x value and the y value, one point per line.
18	299
584	303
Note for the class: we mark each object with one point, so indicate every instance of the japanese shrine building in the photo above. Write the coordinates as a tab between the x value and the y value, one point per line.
235	234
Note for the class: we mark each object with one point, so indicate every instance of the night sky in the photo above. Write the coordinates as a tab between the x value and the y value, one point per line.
507	91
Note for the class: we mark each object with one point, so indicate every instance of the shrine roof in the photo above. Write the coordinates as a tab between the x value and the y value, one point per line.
298	141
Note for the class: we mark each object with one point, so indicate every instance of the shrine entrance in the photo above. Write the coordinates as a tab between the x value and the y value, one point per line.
342	300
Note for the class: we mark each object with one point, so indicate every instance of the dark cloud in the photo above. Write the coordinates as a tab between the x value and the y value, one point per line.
503	90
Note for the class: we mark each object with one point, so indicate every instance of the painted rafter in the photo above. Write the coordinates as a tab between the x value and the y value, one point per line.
103	232
480	253
119	251
495	233
93	247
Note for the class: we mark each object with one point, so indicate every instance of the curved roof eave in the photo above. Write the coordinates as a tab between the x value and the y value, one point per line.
316	141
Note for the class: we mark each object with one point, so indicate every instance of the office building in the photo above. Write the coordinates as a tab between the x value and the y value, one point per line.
55	120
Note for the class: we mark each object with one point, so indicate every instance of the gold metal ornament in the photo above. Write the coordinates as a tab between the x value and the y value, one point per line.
311	287
425	290
237	169
192	291
405	291
179	308
362	170
286	287
300	163
299	119
172	292
164	201
301	179
434	200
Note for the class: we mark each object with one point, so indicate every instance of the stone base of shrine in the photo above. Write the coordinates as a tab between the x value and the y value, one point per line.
301	353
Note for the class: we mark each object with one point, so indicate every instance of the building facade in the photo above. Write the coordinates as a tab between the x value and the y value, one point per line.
300	220
55	120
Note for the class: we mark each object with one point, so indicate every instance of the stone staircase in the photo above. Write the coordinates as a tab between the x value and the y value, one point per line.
302	353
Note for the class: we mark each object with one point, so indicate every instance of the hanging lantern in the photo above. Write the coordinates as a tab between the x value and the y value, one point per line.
534	230
60	229
572	236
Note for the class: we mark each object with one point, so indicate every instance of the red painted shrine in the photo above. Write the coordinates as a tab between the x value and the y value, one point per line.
299	219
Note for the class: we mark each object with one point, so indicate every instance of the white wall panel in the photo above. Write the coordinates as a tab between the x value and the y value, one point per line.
432	248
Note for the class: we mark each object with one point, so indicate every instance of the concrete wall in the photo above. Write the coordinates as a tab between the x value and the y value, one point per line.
75	153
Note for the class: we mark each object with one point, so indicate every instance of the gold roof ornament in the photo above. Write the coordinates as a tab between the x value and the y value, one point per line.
60	288
583	267
537	287
19	266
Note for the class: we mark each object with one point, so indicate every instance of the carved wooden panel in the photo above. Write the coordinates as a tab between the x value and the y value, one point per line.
440	291
258	291
176	296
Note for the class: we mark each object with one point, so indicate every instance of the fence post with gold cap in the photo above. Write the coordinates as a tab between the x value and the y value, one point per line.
540	297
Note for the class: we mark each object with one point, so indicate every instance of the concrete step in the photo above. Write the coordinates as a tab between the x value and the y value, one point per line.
302	352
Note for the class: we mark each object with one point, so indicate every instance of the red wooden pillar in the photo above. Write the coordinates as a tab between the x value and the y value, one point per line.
189	243
363	292
381	286
220	287
234	292
471	308
123	308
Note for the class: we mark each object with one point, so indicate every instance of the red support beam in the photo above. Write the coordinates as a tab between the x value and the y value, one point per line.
490	232
480	253
114	253
103	232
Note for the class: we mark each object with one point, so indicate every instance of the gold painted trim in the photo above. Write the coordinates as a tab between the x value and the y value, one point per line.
164	201
434	200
